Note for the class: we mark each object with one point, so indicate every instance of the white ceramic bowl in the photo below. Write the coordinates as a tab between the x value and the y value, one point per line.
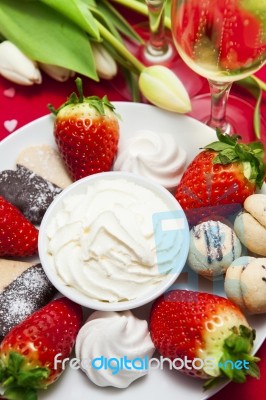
80	187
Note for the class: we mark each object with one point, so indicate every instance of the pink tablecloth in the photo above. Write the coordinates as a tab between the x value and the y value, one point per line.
20	105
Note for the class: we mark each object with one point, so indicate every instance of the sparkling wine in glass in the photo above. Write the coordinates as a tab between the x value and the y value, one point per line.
223	41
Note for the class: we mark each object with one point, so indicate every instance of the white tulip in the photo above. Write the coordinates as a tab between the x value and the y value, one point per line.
106	66
60	74
164	89
16	66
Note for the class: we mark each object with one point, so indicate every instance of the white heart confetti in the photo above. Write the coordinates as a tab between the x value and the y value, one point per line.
10	92
10	125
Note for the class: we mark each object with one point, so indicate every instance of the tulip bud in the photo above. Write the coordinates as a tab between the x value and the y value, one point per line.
164	89
60	74
106	66
17	67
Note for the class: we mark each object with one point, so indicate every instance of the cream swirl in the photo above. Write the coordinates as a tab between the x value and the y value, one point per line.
102	242
110	336
156	156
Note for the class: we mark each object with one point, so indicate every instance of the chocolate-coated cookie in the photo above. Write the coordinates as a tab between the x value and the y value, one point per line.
29	192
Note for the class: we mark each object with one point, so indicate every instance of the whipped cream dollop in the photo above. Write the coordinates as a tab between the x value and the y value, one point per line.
102	242
105	340
156	156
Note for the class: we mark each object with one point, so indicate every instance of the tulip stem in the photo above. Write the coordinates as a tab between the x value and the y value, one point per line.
120	47
141	9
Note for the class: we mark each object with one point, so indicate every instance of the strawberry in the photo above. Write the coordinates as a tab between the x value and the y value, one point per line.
206	331
86	131
28	352
18	237
225	173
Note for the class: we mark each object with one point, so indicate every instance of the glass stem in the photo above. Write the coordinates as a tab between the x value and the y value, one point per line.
219	96
157	46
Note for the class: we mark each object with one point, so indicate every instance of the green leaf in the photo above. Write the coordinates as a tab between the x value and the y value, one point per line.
2	372
16	393
117	20
253	370
132	81
228	139
251	155
210	383
33	378
226	156
15	361
78	12
217	146
255	86
45	35
103	19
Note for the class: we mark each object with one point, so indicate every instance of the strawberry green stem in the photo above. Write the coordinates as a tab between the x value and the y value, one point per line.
79	86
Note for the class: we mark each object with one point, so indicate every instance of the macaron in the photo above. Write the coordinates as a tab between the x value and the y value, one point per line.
245	284
250	224
213	247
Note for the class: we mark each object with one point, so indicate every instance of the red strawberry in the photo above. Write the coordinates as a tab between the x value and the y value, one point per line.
205	329
18	237
27	353
225	173
86	131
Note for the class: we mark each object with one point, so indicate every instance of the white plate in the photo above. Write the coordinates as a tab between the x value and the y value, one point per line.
191	135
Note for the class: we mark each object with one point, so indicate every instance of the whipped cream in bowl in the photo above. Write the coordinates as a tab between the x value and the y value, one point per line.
113	241
154	155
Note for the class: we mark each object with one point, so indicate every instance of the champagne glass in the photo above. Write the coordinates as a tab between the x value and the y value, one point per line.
158	48
223	41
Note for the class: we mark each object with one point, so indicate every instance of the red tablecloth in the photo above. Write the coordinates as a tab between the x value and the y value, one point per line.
20	105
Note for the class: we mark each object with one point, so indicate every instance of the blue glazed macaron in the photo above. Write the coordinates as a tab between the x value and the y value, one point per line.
213	247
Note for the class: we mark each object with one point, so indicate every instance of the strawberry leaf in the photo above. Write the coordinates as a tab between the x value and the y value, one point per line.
228	139
251	155
32	378
210	383
218	146
94	101
19	381
16	393
236	361
225	157
253	370
14	363
2	372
